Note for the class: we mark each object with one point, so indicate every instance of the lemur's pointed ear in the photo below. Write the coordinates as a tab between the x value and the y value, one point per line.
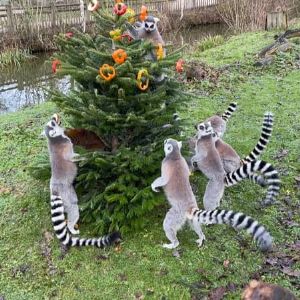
56	118
179	145
156	20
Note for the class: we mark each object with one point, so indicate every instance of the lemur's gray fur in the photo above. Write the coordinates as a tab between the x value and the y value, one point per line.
63	170
231	160
207	160
218	124
147	30
175	182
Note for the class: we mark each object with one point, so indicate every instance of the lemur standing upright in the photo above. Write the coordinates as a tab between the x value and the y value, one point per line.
208	161
63	195
175	182
217	122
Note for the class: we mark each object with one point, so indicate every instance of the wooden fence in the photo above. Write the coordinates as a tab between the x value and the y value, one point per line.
33	26
15	18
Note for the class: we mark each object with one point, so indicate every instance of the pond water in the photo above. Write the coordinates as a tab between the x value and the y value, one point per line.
27	84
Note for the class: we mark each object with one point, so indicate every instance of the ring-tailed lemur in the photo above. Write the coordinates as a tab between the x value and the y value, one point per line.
208	161
218	123
63	173
232	161
147	30
175	182
63	169
62	232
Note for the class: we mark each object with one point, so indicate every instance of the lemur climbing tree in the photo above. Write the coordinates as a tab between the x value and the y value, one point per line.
126	98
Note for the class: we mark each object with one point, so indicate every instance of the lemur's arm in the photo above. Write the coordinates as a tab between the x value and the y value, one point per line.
160	181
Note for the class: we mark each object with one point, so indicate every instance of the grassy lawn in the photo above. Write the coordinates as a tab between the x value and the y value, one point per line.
31	263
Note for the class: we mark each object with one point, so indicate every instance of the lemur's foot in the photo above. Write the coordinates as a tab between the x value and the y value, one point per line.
200	241
170	246
73	230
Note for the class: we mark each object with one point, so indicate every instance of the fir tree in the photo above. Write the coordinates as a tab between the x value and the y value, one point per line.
126	100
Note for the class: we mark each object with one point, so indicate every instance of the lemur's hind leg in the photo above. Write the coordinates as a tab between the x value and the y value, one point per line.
72	210
173	221
213	193
195	225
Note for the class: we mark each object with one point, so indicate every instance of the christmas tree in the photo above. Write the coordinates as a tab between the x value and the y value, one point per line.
124	99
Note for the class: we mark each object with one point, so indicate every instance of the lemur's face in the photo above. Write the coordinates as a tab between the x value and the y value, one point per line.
205	129
149	26
171	145
54	131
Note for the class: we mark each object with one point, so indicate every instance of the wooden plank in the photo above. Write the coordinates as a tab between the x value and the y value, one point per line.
276	20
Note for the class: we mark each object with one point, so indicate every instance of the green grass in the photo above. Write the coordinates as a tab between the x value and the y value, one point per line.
210	42
14	57
142	266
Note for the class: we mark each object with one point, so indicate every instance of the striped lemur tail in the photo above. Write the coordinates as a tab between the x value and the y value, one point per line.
237	220
250	168
62	232
266	132
228	112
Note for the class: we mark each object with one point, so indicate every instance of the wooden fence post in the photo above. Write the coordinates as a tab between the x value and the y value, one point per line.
276	20
82	19
53	19
10	18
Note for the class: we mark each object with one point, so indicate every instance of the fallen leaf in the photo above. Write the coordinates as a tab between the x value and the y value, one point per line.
217	293
272	261
281	154
21	269
295	246
231	287
176	253
118	248
288	271
150	291
288	200
226	263
102	257
297	179
122	277
163	272
139	296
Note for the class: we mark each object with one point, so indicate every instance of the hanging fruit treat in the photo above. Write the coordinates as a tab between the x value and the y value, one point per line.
130	15
179	65
159	51
126	38
56	64
119	56
93	5
107	72
142	79
69	35
115	34
143	13
120	8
